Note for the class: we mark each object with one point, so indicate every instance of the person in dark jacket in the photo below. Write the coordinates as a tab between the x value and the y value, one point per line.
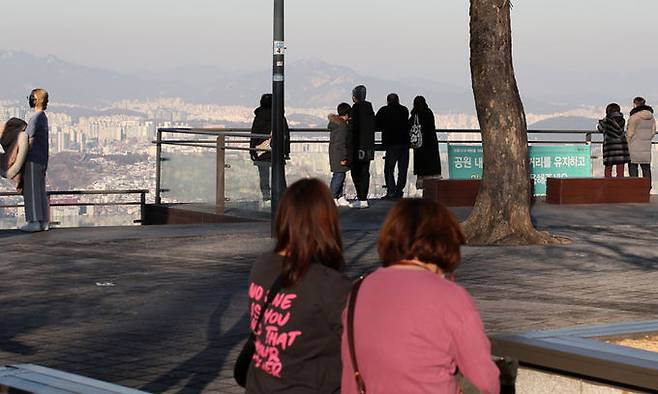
262	159
615	146
298	340
363	134
393	122
427	163
340	152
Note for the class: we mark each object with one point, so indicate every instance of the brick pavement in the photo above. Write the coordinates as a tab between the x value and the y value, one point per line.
175	317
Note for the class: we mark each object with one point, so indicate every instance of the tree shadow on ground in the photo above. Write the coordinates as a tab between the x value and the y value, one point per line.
204	367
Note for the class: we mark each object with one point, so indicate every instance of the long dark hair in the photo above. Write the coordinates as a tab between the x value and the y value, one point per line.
307	230
419	104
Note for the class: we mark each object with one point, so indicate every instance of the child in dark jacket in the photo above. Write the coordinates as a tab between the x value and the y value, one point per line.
340	152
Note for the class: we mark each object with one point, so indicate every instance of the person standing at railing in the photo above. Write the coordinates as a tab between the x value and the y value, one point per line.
615	146
340	152
261	153
427	162
14	142
34	174
363	133
641	130
393	122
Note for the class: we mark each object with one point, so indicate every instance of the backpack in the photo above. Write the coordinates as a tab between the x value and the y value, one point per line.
415	134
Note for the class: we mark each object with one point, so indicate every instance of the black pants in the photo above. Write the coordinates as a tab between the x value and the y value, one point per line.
646	170
396	154
361	177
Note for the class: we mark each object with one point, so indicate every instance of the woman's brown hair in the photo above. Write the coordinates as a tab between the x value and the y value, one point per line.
424	230
307	229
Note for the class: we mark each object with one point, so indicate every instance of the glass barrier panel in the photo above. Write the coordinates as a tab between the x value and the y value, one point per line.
96	216
77	216
188	173
242	180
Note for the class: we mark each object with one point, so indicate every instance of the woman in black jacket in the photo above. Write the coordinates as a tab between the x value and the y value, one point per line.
427	162
298	339
263	159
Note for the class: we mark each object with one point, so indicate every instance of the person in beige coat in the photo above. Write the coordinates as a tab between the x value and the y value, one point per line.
640	133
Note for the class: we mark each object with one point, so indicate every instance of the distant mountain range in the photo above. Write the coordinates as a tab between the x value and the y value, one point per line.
309	83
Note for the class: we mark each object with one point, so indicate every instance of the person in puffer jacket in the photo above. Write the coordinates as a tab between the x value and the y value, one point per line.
615	146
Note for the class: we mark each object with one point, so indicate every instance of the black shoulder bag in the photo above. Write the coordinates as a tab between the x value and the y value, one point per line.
360	383
241	368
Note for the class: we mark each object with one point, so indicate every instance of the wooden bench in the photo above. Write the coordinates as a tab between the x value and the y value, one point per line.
452	192
597	190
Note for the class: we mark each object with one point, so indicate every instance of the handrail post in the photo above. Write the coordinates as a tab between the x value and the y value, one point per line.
142	207
49	209
158	164
220	193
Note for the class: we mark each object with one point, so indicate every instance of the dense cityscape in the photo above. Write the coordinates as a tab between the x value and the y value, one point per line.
112	149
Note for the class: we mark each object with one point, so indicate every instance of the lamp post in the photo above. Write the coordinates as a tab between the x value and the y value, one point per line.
278	121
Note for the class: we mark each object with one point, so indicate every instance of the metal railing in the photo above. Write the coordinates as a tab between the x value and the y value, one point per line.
141	202
226	139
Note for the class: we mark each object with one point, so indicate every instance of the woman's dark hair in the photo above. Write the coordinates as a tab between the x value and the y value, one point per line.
266	100
639	101
307	230
420	103
424	230
344	109
613	109
10	131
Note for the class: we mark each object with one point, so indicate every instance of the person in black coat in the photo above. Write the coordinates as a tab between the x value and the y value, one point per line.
363	139
262	124
615	146
427	162
393	122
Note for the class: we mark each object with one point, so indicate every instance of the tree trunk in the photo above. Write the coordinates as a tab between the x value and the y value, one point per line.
502	210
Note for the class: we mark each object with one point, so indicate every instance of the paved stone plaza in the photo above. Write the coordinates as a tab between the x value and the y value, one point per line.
163	309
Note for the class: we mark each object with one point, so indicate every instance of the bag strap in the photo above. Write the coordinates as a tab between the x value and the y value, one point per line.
274	290
360	383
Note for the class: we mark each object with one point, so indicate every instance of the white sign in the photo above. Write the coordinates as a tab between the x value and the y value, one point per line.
279	47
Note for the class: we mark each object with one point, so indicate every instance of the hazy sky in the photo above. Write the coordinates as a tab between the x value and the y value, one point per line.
388	38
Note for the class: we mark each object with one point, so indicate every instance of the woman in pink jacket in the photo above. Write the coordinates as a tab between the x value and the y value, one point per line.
414	328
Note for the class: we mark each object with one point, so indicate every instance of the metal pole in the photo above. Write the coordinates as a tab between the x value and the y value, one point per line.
142	208
158	164
278	121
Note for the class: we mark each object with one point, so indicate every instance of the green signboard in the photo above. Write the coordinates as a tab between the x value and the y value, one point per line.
564	161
